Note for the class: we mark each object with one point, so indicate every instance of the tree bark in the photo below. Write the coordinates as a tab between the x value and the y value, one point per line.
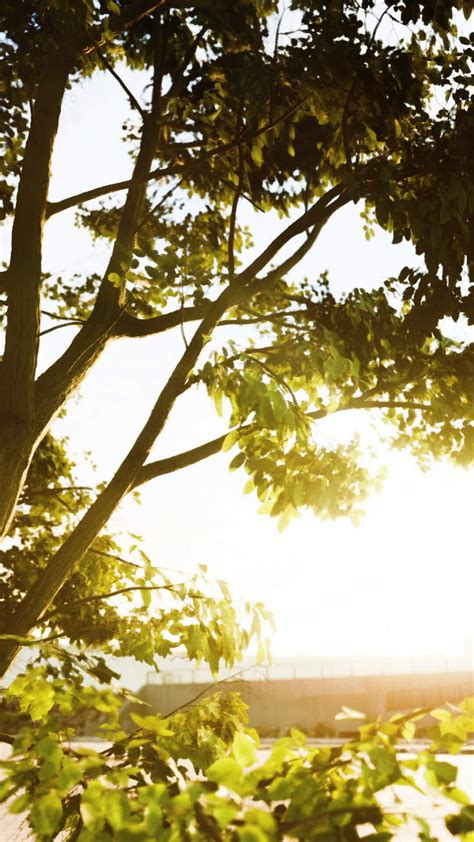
70	554
18	367
64	377
62	564
28	410
15	456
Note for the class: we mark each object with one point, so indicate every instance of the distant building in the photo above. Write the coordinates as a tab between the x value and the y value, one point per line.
308	693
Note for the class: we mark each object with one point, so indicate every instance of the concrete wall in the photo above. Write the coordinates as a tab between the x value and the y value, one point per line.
277	705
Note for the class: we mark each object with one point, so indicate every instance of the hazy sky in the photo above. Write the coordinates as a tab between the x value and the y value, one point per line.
400	583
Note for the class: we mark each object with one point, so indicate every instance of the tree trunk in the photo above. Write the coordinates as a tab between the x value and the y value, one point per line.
18	367
16	450
61	565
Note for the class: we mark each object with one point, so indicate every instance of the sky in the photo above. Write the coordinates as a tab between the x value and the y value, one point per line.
400	583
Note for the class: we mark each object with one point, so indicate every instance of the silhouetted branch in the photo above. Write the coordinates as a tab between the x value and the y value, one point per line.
133	100
214	446
129	325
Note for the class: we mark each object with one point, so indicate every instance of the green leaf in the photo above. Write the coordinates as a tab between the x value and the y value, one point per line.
225	771
146	598
224	813
445	772
230	439
244	749
50	750
237	461
284	519
92	806
19	805
252	833
152	723
117	808
261	653
114	279
46	813
70	774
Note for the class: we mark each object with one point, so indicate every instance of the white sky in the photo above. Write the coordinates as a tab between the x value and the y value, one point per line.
400	583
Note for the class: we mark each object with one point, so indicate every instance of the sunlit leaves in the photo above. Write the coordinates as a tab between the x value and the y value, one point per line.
244	749
36	694
46	814
226	771
273	123
141	785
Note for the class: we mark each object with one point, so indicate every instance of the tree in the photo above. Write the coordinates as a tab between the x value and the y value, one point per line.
236	110
311	121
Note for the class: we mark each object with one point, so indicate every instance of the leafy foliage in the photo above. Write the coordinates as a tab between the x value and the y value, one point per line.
348	103
160	782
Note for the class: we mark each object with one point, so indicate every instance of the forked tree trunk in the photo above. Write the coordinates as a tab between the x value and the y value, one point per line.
62	564
23	279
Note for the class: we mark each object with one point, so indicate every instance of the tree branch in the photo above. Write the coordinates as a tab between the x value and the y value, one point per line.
214	446
132	14
163	172
235	201
60	318
17	373
69	323
75	603
20	640
60	489
112	298
227	680
24	273
114	557
66	374
114	187
316	216
131	97
129	325
266	317
181	460
62	563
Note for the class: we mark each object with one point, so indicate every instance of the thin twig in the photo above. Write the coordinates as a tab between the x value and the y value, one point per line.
201	693
32	641
58	317
178	79
100	597
280	380
351	93
235	203
115	557
159	204
70	323
43	492
133	100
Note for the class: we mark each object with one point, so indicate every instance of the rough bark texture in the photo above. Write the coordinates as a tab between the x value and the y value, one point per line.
63	378
24	276
27	408
62	564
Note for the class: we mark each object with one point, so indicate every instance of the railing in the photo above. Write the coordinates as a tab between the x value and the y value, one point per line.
316	668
